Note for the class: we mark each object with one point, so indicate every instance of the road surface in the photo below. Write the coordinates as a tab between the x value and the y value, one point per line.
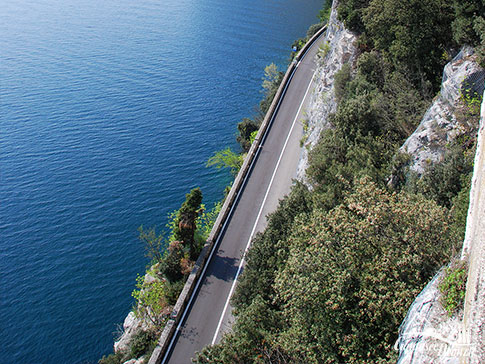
270	180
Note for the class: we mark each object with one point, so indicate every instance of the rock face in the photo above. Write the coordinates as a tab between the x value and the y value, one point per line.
339	49
132	325
427	334
440	125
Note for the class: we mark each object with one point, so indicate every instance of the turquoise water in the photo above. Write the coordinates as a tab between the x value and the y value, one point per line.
108	112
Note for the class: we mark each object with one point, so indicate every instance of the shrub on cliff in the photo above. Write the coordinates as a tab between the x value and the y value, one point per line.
340	281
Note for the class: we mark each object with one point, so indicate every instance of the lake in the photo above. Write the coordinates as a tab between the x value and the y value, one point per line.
109	112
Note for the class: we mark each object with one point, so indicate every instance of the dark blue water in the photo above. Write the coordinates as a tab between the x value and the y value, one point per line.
108	112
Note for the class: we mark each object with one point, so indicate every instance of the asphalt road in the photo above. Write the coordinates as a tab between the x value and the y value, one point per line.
270	179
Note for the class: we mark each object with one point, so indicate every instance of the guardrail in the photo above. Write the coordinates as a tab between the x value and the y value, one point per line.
193	281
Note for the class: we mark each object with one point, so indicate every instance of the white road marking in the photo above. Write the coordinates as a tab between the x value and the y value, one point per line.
259	215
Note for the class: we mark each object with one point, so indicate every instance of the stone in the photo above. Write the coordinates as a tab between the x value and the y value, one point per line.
439	126
339	49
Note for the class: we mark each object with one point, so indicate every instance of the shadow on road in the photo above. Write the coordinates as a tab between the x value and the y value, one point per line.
224	268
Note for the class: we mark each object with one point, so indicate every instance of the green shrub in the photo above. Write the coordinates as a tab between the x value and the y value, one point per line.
172	291
314	29
342	78
246	128
114	358
142	342
453	287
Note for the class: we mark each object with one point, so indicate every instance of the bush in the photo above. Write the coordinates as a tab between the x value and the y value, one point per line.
314	29
142	342
172	291
453	287
114	358
245	129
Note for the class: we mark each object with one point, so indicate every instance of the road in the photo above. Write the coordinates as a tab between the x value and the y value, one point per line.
269	181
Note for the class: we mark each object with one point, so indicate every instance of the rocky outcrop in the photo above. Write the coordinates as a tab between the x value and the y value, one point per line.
440	125
339	48
474	250
132	324
428	334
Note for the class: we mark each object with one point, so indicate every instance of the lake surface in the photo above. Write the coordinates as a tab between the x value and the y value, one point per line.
109	111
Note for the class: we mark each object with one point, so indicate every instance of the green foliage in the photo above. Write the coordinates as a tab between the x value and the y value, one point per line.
460	204
114	358
271	81
342	78
186	221
154	243
453	287
298	45
205	222
246	128
151	301
350	12
443	181
172	291
143	342
352	273
324	13
170	266
323	49
479	27
315	28
412	33
377	100
472	102
467	13
269	249
340	281
226	159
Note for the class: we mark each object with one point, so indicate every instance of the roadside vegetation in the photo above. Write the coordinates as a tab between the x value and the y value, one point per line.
334	273
332	276
171	261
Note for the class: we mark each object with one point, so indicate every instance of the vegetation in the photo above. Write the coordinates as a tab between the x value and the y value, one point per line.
453	287
340	263
227	159
172	260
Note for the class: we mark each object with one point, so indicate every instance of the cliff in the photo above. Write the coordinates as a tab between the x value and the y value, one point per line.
339	49
442	124
428	334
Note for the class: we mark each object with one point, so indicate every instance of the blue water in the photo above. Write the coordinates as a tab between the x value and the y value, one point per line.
108	112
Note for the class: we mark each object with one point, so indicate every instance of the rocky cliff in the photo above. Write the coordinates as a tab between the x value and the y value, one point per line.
428	334
339	49
441	124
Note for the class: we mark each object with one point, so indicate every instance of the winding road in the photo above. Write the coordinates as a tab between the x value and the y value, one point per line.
209	314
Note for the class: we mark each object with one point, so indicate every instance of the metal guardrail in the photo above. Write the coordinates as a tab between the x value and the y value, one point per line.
193	281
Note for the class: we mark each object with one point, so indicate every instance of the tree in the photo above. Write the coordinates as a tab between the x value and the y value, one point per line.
413	33
271	81
151	303
245	129
154	243
185	223
353	272
226	159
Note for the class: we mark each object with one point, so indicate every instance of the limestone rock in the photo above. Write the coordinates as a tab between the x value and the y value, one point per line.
339	49
131	326
427	334
439	126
